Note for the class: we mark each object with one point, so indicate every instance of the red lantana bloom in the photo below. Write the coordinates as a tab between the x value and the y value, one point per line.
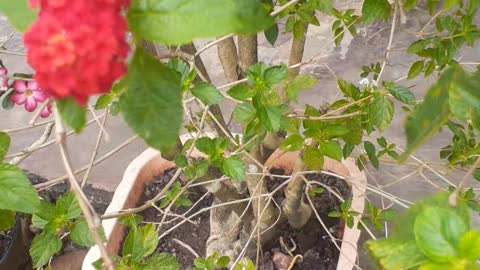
77	48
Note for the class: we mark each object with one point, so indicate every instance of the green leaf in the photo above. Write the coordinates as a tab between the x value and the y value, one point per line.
396	254
289	24
415	70
381	112
4	144
68	205
80	234
234	168
180	21
438	232
348	89
212	147
181	161
427	118
439	266
469	245
46	212
152	105
347	150
313	158
7	220
324	6
370	149
131	221
301	82
270	117
43	247
374	10
207	93
476	174
331	149
140	243
449	4
17	191
387	215
271	34
402	94
292	143
103	101
334	214
240	92
275	74
223	262
464	97
19	14
73	115
244	113
160	261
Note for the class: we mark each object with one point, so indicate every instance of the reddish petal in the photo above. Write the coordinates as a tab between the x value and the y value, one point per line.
32	85
20	86
39	95
18	98
31	104
3	71
46	112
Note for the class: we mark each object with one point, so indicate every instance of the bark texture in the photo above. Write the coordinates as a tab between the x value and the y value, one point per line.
297	212
247	52
296	53
227	52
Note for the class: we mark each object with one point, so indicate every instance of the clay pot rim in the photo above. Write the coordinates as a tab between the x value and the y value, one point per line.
141	167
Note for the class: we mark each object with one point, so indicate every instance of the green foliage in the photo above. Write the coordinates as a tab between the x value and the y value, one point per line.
301	82
4	144
240	92
55	221
7	220
400	93
249	265
17	191
212	262
182	200
154	92
345	213
377	217
345	20
370	149
381	112
19	14
73	115
138	248
176	22
375	10
271	34
207	93
234	168
429	234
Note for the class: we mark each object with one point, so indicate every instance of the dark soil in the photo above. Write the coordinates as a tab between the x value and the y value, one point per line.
193	235
312	242
100	199
6	239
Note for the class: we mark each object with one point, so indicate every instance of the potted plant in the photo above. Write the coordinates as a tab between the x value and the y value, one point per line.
287	177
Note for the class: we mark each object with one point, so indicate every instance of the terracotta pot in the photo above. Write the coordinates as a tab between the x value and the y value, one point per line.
150	164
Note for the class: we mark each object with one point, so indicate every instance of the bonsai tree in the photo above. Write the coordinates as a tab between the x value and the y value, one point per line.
141	60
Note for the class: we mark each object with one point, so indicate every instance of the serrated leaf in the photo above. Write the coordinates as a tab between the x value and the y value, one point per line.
415	70
4	144
17	191
223	262
207	93
43	247
140	243
103	101
244	113
240	92
7	220
19	14
438	232
313	158
292	143
374	10
372	155
324	6
402	94
301	82
80	234
331	149
152	105
160	261
271	34
469	245
427	118
380	112
464	97
68	205
234	168
46	212
176	22
73	115
275	74
270	117
212	147
348	89
396	253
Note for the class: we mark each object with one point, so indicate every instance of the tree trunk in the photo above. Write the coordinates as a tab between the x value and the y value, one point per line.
296	53
227	52
297	212
247	51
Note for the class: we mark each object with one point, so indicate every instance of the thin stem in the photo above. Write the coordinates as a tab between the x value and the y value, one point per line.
90	216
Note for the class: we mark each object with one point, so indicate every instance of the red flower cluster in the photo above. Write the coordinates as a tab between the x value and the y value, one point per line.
78	48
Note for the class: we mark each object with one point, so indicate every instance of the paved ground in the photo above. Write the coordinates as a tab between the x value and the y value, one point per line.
345	62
